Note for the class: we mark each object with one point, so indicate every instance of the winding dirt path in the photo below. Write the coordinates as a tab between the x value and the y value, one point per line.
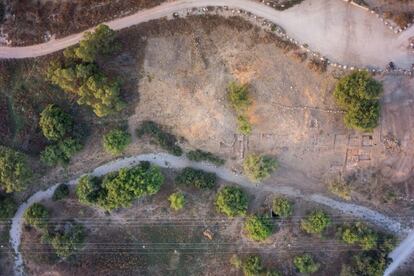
173	162
337	30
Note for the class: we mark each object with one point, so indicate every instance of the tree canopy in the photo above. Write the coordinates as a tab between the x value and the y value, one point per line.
177	201
116	141
37	216
258	228
14	170
232	201
258	167
306	264
282	207
316	222
55	123
197	178
358	94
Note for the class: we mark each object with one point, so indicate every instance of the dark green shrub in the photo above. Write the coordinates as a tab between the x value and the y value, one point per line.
14	170
232	201
7	207
89	190
68	240
306	264
61	192
199	155
61	153
177	201
258	167
282	207
358	94
55	123
316	222
258	228
116	141
252	266
197	178
359	233
37	216
164	139
370	263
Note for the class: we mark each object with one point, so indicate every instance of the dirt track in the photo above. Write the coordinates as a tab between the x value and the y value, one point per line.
337	30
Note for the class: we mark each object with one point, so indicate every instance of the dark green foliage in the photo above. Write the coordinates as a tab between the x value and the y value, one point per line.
2	11
258	228
37	216
14	170
197	178
258	167
316	222
121	188
116	141
68	240
305	264
252	266
61	153
164	139
282	207
370	263
358	94
200	155
7	207
232	201
359	233
61	192
55	123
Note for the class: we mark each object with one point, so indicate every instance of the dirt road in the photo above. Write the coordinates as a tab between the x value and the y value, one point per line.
336	29
169	161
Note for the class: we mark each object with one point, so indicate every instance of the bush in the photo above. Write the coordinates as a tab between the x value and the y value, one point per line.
258	228
61	153
116	141
164	139
358	94
258	168
121	188
316	222
282	207
61	192
252	266
244	125
197	178
14	170
232	201
306	264
199	155
177	201
55	123
341	189
70	239
7	207
359	233
37	216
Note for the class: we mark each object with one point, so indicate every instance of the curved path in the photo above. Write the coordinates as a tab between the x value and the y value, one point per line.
339	31
170	161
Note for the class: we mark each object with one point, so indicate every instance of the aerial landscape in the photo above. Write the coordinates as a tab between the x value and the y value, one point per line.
207	137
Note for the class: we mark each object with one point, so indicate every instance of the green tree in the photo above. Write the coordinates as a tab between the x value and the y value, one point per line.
238	96
68	240
282	207
316	222
305	264
197	178
258	228
370	263
358	94
244	125
252	266
7	207
89	190
232	201
14	170
359	233
200	155
55	123
61	192
116	141
177	201
37	216
258	167
61	153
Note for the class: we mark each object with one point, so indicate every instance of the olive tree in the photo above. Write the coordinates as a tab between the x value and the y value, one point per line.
14	170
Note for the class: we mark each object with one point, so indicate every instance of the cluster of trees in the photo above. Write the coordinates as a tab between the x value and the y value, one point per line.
121	188
14	170
177	201
232	201
258	227
358	94
238	96
164	139
79	73
316	222
258	167
115	141
57	127
197	178
200	155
